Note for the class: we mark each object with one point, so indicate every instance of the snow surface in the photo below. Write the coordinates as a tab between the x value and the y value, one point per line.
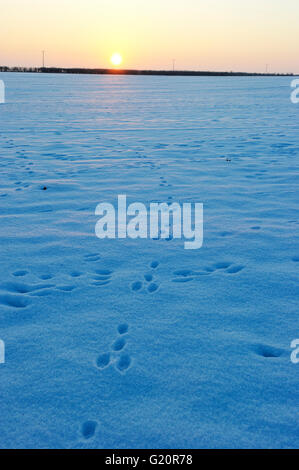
140	343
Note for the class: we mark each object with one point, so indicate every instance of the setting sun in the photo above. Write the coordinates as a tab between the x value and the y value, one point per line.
116	59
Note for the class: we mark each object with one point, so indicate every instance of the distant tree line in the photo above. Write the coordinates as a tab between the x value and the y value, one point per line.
136	72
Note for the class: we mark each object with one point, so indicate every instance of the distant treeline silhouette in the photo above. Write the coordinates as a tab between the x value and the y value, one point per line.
188	73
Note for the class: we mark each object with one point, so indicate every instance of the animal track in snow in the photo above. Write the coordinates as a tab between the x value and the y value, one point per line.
88	429
103	360
39	289
154	264
268	351
187	275
151	286
119	344
14	301
183	280
92	257
102	277
183	272
66	288
45	277
123	362
225	267
17	294
76	274
116	355
235	269
226	234
136	286
164	182
100	283
221	265
22	288
103	272
123	328
20	273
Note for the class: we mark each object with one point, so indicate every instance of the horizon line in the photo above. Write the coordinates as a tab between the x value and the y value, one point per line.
112	71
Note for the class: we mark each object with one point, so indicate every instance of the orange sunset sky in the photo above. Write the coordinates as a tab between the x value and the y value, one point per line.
238	35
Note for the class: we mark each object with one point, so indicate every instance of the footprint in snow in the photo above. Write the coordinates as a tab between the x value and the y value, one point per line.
148	282
187	275
88	429
92	257
17	294
266	351
116	355
102	277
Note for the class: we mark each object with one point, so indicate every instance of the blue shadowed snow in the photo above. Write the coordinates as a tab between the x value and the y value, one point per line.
140	343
